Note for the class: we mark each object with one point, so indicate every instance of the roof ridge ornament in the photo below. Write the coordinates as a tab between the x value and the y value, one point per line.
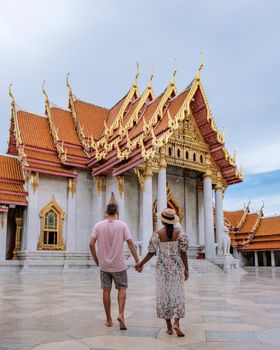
151	76
14	116
136	75
70	93
201	66
174	73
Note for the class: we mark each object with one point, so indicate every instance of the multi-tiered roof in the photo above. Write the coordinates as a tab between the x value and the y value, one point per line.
113	140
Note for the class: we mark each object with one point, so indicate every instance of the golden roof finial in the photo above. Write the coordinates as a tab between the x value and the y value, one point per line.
152	75
68	85
201	65
44	92
11	95
234	156
174	73
136	75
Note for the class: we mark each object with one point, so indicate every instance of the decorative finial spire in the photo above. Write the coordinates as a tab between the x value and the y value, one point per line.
152	74
68	84
44	92
11	95
200	66
174	73
137	74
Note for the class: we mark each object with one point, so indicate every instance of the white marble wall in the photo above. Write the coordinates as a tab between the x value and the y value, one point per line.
84	210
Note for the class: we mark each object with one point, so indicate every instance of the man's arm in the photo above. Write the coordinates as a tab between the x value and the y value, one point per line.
133	251
93	250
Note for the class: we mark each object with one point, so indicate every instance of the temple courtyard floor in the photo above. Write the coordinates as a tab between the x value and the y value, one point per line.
64	311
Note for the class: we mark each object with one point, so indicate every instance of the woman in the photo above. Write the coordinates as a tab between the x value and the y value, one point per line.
172	269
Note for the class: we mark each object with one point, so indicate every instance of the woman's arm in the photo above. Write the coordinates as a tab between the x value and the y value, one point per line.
186	264
148	257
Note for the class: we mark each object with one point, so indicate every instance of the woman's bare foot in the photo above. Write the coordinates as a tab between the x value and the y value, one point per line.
169	330
122	323
178	331
109	323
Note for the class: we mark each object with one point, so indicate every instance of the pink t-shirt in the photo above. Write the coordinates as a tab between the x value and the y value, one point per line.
110	236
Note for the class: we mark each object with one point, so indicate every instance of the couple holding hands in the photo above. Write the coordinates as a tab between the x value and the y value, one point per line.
170	245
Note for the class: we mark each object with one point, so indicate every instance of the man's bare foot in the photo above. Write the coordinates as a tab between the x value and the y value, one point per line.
178	331
109	323
122	324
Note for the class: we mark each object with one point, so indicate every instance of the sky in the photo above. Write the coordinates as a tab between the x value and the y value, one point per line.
99	43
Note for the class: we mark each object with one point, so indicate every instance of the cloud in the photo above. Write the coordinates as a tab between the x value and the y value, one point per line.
260	159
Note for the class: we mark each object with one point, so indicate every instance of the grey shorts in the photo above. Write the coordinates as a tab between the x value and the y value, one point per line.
119	278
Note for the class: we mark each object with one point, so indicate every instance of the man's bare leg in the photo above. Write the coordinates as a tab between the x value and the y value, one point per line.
121	301
107	306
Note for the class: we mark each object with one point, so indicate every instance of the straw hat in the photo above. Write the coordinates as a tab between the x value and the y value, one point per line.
169	216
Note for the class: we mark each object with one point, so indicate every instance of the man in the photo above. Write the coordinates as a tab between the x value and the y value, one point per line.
110	235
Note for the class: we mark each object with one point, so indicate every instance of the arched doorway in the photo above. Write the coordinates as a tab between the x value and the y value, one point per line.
172	202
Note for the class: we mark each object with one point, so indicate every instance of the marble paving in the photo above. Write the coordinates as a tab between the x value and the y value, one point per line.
64	311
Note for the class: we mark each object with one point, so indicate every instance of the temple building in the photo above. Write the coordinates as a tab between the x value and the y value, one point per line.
255	239
144	153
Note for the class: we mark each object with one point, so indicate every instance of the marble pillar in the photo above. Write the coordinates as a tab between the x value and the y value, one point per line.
147	208
219	212
256	259
200	205
32	222
272	258
3	234
162	195
120	197
208	218
71	216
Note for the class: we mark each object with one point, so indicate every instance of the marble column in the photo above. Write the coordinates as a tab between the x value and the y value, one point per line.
162	195
200	204
256	258
208	217
272	258
98	201
32	224
264	259
219	212
120	197
147	207
71	216
3	234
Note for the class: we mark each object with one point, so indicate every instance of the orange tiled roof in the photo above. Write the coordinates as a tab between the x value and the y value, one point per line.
10	168
114	111
249	224
234	217
269	226
30	124
91	118
11	181
65	124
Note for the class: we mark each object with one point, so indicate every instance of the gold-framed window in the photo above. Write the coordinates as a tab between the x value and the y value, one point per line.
51	232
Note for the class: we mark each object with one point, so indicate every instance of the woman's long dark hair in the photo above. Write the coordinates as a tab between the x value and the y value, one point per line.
169	230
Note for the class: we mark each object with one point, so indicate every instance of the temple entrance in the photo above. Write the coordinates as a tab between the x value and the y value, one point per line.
14	224
171	203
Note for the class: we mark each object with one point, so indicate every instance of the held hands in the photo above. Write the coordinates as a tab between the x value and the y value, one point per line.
139	267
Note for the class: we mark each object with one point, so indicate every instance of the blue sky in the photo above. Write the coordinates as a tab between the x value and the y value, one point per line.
99	42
